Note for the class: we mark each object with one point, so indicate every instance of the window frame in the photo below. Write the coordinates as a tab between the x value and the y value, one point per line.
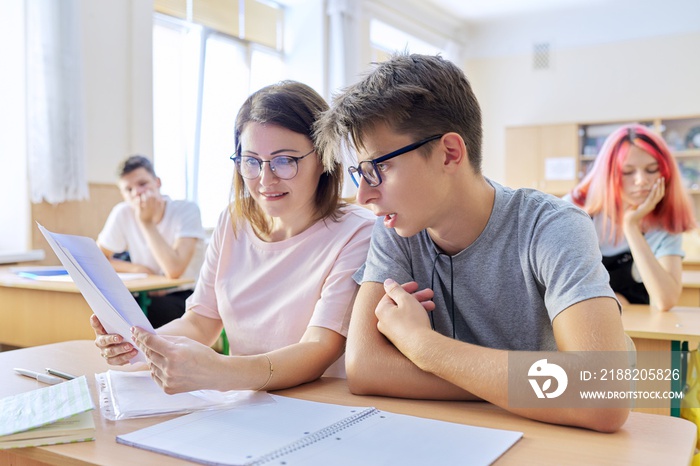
193	155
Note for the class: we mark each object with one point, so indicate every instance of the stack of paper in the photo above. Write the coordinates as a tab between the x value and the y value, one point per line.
126	395
59	413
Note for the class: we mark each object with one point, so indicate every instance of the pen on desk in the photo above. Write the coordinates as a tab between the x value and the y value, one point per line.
61	374
44	378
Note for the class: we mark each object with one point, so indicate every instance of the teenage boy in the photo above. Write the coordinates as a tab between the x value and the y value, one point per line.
504	270
161	236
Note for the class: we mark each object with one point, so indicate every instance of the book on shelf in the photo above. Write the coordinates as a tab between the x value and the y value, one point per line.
299	432
60	413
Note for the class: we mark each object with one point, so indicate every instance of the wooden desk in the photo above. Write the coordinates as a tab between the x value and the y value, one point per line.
644	439
691	263
663	332
680	323
690	295
34	312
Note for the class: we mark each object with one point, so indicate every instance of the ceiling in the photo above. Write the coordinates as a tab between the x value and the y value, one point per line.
482	10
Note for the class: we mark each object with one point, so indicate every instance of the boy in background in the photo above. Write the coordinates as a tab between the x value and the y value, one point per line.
161	236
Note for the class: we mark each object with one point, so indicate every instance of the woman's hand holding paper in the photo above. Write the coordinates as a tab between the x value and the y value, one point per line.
180	364
112	346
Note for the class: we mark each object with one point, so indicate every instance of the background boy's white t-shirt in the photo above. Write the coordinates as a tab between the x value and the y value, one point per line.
181	219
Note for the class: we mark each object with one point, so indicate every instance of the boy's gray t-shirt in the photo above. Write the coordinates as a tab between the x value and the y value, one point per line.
537	256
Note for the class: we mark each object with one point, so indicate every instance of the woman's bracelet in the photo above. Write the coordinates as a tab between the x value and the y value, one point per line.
272	369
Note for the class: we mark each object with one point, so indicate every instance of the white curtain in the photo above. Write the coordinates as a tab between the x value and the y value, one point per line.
343	66
343	60
55	110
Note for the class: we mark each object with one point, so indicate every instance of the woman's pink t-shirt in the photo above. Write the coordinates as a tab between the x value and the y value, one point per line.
267	294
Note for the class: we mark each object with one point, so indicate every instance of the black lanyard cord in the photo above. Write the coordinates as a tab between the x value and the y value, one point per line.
452	283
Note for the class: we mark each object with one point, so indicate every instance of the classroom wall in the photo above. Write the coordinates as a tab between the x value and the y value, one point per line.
628	60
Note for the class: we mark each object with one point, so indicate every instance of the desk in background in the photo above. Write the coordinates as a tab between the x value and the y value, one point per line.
690	295
691	262
34	312
644	439
663	332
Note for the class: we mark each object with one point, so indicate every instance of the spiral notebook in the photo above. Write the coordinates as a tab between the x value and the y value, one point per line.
299	432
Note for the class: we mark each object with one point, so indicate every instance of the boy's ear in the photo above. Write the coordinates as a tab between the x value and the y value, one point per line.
455	150
158	182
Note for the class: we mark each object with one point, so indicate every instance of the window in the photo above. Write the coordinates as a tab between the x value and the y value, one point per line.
201	76
386	39
175	52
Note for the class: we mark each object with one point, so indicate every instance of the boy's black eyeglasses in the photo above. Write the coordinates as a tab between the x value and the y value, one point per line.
284	167
369	169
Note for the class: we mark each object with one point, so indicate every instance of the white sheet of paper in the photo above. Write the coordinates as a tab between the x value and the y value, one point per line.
102	288
559	168
126	395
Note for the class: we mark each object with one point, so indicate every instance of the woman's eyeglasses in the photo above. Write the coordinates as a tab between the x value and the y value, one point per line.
284	167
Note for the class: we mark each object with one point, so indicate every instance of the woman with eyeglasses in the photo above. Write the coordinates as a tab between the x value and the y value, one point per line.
278	271
634	194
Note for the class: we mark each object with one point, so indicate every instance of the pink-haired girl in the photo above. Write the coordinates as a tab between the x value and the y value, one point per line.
634	194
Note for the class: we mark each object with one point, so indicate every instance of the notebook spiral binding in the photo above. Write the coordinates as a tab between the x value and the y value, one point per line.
316	436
